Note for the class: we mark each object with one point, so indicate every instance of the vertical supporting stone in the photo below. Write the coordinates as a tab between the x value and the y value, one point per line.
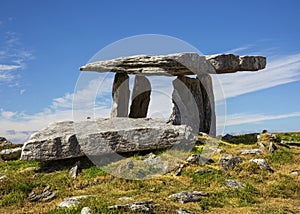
187	103
193	103
120	94
209	122
140	97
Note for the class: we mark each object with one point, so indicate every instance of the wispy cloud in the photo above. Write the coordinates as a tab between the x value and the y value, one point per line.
244	118
279	71
13	56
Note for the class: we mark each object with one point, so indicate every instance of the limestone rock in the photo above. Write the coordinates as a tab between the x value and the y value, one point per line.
57	141
295	172
75	200
193	104
262	163
73	172
229	63
143	206
140	97
251	151
86	210
228	161
104	136
120	94
272	147
11	154
185	196
45	196
178	64
184	211
233	184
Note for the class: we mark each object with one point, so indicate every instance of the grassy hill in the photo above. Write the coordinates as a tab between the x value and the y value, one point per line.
262	191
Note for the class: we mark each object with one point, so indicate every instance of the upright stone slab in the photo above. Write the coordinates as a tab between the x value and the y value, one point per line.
193	103
120	94
140	97
187	102
209	121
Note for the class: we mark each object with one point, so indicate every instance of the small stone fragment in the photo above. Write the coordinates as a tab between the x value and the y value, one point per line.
228	161
252	151
143	206
125	199
45	196
194	158
11	154
272	147
233	184
179	170
74	171
294	172
262	163
184	211
68	202
86	210
185	197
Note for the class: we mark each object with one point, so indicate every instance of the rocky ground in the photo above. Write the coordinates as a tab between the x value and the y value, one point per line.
238	174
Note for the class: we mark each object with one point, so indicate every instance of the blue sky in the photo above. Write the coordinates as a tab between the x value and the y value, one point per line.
43	43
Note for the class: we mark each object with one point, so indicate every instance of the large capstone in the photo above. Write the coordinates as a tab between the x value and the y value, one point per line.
193	103
120	94
104	136
178	64
140	97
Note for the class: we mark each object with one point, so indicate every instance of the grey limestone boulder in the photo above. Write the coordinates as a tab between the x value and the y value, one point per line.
104	136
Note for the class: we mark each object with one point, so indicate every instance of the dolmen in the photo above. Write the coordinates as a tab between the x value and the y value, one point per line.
128	129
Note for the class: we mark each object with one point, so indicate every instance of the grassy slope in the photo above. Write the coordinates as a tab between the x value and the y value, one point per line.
263	192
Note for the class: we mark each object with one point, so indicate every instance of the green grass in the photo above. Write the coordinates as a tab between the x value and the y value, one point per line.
262	192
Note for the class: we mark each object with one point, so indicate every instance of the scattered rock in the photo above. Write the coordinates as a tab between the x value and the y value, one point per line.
68	202
261	144
6	144
185	197
104	136
233	184
228	161
203	171
153	161
252	151
294	172
217	150
45	196
2	178
11	154
125	199
86	210
194	158
183	211
262	163
74	171
272	147
143	206
130	164
179	170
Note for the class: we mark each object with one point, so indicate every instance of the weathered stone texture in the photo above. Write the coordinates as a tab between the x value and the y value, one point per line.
140	97
104	136
120	94
178	64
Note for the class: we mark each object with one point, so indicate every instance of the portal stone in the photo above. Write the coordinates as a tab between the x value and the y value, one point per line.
120	94
140	97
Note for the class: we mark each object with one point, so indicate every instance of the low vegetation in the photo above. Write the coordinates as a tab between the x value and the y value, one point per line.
262	191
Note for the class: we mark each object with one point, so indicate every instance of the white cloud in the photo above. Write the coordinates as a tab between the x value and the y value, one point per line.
279	70
243	118
9	67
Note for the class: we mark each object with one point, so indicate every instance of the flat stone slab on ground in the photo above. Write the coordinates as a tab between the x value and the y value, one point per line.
103	136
